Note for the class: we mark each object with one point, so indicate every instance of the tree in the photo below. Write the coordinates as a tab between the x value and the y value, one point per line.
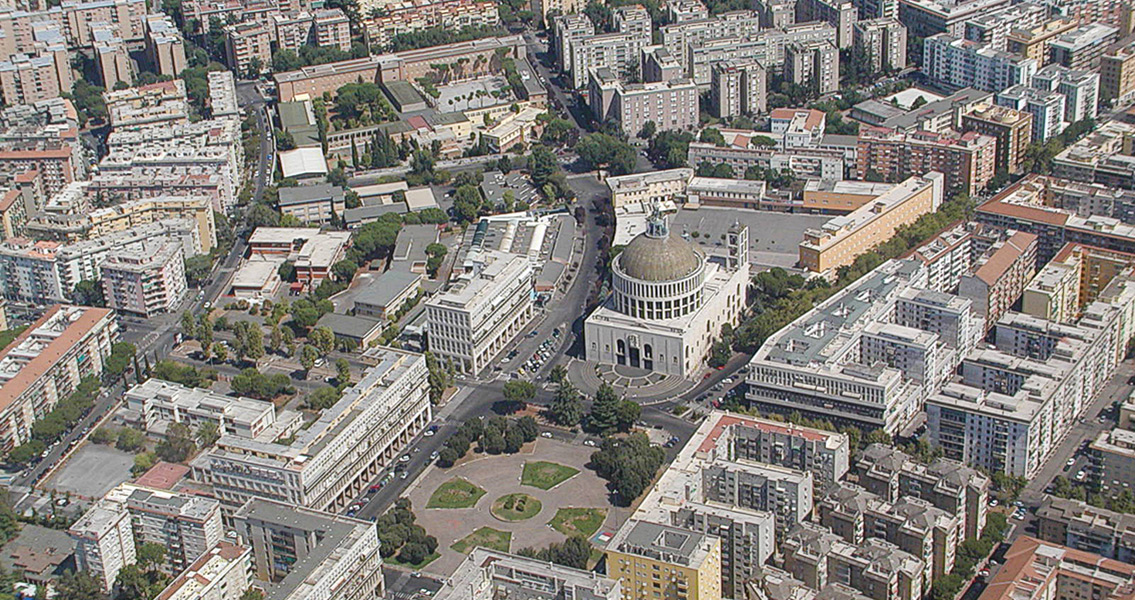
467	203
323	339
344	270
308	355
343	372
150	555
517	393
573	552
252	594
601	150
130	440
78	586
121	356
629	464
188	325
220	352
648	130
322	398
627	415
178	445
542	163
558	374
207	434
492	441
709	135
878	436
88	293
27	452
567	407
603	417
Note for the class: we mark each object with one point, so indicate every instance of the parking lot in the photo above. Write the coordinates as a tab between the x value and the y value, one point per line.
93	471
534	362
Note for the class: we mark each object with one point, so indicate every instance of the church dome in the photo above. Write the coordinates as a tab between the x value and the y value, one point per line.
652	257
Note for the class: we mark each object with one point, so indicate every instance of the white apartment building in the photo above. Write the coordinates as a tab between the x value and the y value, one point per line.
156	404
308	554
738	87
957	63
885	42
1046	107
480	313
815	365
488	574
147	280
993	28
104	542
583	52
1013	406
1081	90
187	526
670	105
222	573
915	352
328	464
678	36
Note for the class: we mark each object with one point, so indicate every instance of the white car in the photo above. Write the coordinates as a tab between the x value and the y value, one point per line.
588	443
405	458
546	434
428	433
1071	461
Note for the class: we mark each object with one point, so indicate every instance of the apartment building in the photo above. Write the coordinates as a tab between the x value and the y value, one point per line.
678	36
155	404
482	312
248	47
994	28
145	281
925	18
670	105
738	87
767	47
57	164
1075	277
187	526
877	568
407	17
843	238
1013	405
840	14
112	58
690	562
619	52
157	104
308	553
813	64
316	203
1047	109
104	542
1080	90
884	41
1034	42
1081	526
642	189
1113	460
944	259
331	462
956	62
966	160
914	525
165	50
222	95
46	362
543	8
222	573
28	79
332	29
947	484
1100	157
126	16
488	574
801	368
1082	48
1000	276
1013	130
1034	569
1117	73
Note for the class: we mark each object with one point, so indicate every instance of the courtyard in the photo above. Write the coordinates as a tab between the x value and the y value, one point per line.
474	94
529	499
774	237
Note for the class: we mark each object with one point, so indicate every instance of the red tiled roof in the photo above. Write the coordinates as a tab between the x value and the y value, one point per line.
728	420
1004	257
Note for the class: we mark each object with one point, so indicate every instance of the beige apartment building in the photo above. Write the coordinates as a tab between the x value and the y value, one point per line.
165	49
1117	73
245	43
29	79
332	29
844	238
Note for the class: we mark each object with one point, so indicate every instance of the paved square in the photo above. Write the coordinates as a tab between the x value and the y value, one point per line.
93	471
473	94
500	475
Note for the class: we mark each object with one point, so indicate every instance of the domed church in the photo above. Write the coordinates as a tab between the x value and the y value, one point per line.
668	301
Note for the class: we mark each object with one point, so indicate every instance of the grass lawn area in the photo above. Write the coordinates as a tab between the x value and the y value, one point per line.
516	507
582	521
546	475
455	493
393	560
485	537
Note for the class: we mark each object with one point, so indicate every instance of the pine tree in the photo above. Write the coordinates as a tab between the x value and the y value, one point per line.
604	416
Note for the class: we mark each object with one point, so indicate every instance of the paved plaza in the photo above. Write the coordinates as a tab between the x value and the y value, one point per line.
92	471
500	475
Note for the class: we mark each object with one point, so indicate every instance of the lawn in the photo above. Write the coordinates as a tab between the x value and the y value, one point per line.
455	493
393	560
516	507
582	521
546	475
485	537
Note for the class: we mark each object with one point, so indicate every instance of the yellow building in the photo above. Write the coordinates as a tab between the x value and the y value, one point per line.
658	561
1117	74
839	241
841	197
123	216
1033	43
1073	278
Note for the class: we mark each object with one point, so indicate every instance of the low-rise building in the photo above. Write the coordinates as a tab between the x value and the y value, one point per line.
47	362
327	465
157	404
734	193
147	280
481	312
1034	569
844	238
309	553
487	574
643	189
386	294
317	203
